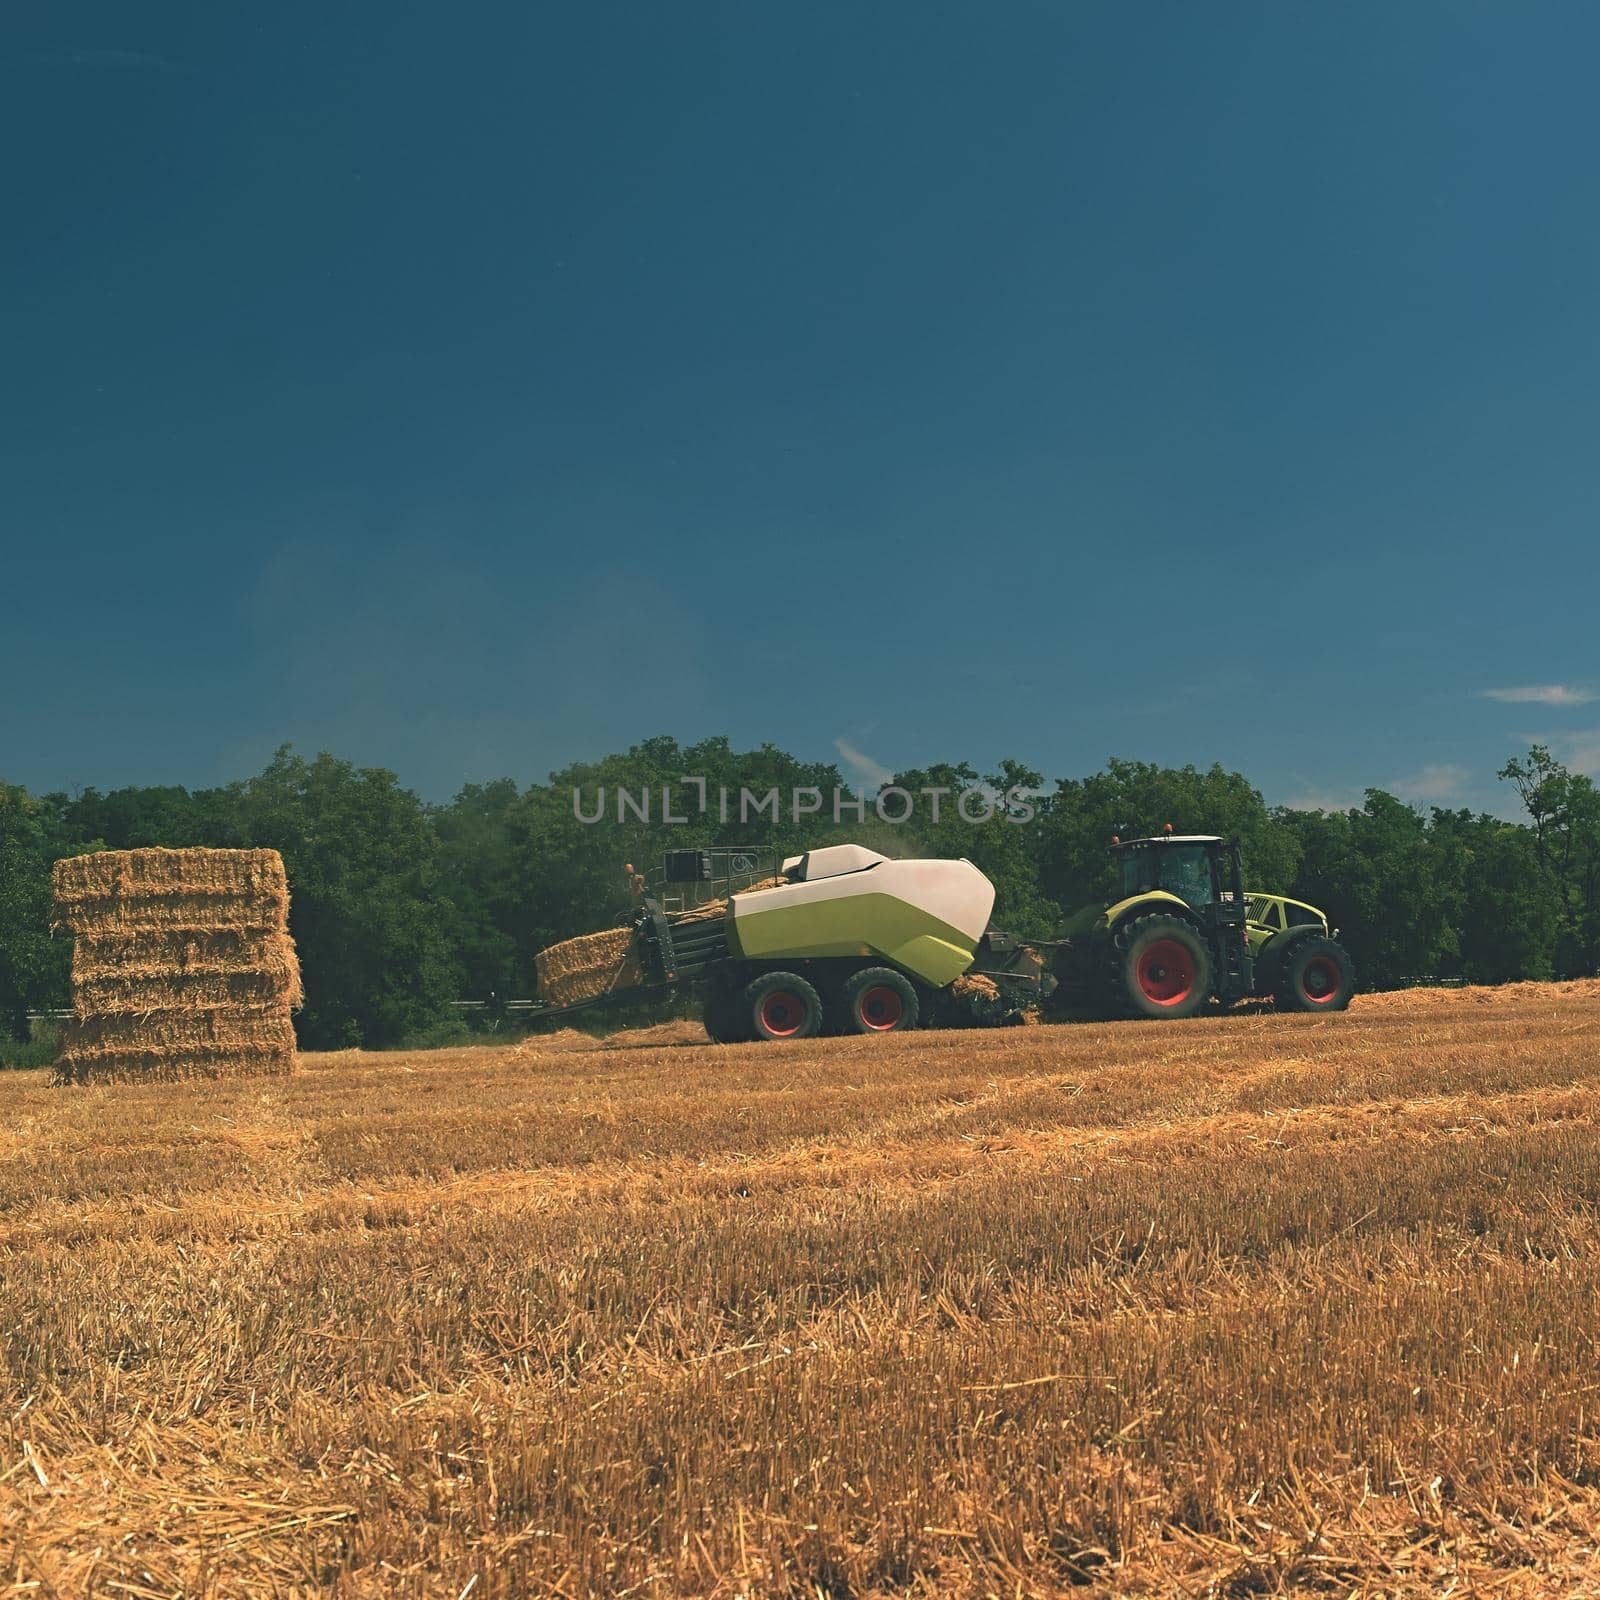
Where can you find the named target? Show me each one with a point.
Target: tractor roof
(1176, 838)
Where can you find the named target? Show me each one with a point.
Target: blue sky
(468, 390)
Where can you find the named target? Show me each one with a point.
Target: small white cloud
(864, 771)
(1437, 782)
(1543, 694)
(1581, 752)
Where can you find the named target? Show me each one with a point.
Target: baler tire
(1314, 975)
(1161, 967)
(878, 1000)
(781, 1005)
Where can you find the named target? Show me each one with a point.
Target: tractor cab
(1199, 868)
(1205, 873)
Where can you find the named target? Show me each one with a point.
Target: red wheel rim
(880, 1008)
(1319, 982)
(1166, 972)
(782, 1013)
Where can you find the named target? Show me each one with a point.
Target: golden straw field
(1248, 1305)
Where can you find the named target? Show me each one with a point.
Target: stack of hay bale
(182, 965)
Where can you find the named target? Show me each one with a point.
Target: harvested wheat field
(1247, 1305)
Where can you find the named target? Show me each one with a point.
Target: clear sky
(471, 389)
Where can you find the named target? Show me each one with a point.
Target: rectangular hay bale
(147, 969)
(132, 873)
(113, 890)
(155, 1064)
(586, 967)
(140, 995)
(177, 1026)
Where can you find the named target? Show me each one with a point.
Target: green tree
(1510, 924)
(33, 963)
(1376, 874)
(366, 910)
(1564, 809)
(1134, 799)
(486, 884)
(160, 815)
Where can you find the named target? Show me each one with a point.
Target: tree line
(400, 906)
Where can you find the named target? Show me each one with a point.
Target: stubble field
(1247, 1305)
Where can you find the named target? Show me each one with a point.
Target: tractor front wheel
(1315, 975)
(1161, 967)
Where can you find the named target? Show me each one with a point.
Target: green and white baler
(848, 941)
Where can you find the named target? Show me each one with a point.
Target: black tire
(1315, 975)
(725, 1017)
(1160, 967)
(781, 1005)
(878, 1000)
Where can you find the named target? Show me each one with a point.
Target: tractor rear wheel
(1161, 967)
(878, 1000)
(782, 1005)
(1315, 975)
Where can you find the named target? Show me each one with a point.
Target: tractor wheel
(878, 1000)
(724, 1017)
(781, 1005)
(1315, 975)
(1161, 967)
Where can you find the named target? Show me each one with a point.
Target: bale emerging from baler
(586, 967)
(599, 963)
(182, 965)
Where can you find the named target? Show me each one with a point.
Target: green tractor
(1183, 933)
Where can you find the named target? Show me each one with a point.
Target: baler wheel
(782, 1005)
(878, 1000)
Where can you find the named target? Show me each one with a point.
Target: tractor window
(1183, 870)
(1138, 873)
(1186, 872)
